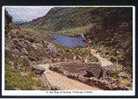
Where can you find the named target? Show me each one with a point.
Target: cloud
(27, 13)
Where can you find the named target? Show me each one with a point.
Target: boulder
(38, 69)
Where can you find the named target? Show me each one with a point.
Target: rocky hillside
(22, 51)
(109, 30)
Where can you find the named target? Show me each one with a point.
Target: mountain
(59, 18)
(65, 18)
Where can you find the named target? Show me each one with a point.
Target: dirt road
(103, 61)
(60, 81)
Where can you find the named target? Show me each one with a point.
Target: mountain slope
(62, 18)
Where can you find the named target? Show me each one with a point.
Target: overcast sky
(27, 13)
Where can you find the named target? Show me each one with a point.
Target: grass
(75, 31)
(108, 52)
(33, 31)
(23, 78)
(81, 53)
(126, 82)
(32, 34)
(20, 79)
(65, 31)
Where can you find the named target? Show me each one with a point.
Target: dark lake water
(69, 41)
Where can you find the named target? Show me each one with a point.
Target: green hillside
(63, 18)
(68, 18)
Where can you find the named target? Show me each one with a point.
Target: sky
(27, 13)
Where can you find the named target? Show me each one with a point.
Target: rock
(74, 57)
(123, 75)
(97, 71)
(82, 79)
(91, 74)
(11, 63)
(38, 69)
(25, 51)
(16, 51)
(107, 85)
(37, 45)
(24, 74)
(94, 71)
(51, 47)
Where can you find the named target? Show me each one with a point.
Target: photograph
(68, 50)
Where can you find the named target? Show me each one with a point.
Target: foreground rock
(91, 74)
(38, 69)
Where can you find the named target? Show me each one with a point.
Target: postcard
(68, 50)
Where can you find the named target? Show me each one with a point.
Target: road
(62, 82)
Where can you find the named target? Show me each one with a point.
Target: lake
(69, 41)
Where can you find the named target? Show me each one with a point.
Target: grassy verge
(20, 79)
